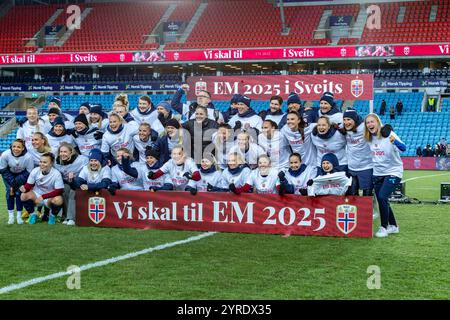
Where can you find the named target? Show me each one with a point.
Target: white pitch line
(16, 286)
(432, 175)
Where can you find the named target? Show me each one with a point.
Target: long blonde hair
(367, 134)
(46, 146)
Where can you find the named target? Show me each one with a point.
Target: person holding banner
(329, 139)
(16, 165)
(294, 180)
(331, 179)
(359, 156)
(44, 186)
(181, 169)
(263, 180)
(385, 146)
(96, 175)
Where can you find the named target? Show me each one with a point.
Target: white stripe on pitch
(97, 264)
(429, 176)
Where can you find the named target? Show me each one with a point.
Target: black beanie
(54, 110)
(150, 152)
(81, 118)
(173, 123)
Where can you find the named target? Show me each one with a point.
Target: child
(44, 186)
(96, 175)
(264, 179)
(181, 169)
(294, 180)
(15, 167)
(330, 179)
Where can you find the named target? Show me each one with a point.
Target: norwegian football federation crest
(97, 209)
(406, 51)
(200, 86)
(343, 52)
(357, 87)
(346, 218)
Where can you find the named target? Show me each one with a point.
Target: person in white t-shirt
(385, 147)
(44, 186)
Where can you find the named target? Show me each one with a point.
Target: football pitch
(157, 264)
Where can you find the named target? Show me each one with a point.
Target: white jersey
(275, 118)
(337, 118)
(305, 148)
(336, 184)
(211, 178)
(95, 176)
(252, 154)
(87, 142)
(238, 179)
(125, 181)
(358, 150)
(140, 146)
(27, 130)
(16, 164)
(75, 167)
(300, 182)
(264, 185)
(114, 141)
(335, 144)
(386, 157)
(101, 125)
(143, 171)
(44, 184)
(55, 142)
(151, 119)
(176, 173)
(276, 148)
(221, 150)
(36, 155)
(254, 121)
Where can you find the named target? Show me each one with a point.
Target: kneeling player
(44, 186)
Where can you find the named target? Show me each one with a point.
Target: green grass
(414, 264)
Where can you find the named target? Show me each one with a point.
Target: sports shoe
(19, 219)
(51, 219)
(381, 233)
(11, 219)
(70, 223)
(65, 221)
(392, 229)
(33, 218)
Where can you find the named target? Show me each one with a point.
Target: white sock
(19, 214)
(11, 213)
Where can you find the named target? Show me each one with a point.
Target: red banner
(262, 87)
(225, 212)
(299, 53)
(419, 163)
